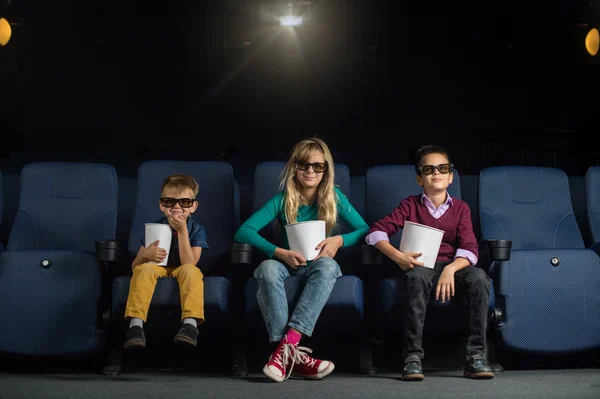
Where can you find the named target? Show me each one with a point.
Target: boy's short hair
(426, 150)
(180, 183)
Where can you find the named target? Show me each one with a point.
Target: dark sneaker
(412, 371)
(280, 363)
(478, 369)
(135, 338)
(187, 335)
(308, 367)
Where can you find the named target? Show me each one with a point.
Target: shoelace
(303, 358)
(283, 356)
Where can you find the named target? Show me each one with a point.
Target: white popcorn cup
(303, 237)
(161, 232)
(424, 239)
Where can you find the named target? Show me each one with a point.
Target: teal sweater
(248, 231)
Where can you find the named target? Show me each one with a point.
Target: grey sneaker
(135, 338)
(187, 335)
(412, 371)
(478, 369)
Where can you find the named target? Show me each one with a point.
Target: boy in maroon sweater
(455, 263)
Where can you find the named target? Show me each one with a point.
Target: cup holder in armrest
(109, 250)
(499, 250)
(241, 253)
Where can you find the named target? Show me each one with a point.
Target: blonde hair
(326, 196)
(180, 183)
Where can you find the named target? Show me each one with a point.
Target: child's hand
(445, 286)
(329, 246)
(292, 258)
(407, 260)
(154, 253)
(178, 222)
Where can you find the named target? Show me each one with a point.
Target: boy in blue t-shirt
(189, 238)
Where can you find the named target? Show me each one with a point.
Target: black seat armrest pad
(241, 253)
(110, 251)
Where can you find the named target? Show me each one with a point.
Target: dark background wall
(498, 83)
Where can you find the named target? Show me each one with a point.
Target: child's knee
(328, 266)
(418, 274)
(478, 277)
(146, 268)
(268, 270)
(190, 270)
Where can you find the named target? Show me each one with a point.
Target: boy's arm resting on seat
(466, 255)
(445, 290)
(467, 247)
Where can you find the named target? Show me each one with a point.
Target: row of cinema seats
(64, 275)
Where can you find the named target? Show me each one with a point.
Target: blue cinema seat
(549, 289)
(50, 281)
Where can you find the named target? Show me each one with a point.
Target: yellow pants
(143, 282)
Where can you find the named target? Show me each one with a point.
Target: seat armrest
(109, 251)
(109, 255)
(498, 250)
(492, 253)
(241, 253)
(369, 255)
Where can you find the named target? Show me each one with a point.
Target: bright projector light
(290, 21)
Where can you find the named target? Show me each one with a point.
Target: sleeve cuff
(376, 236)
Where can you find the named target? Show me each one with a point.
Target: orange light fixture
(5, 31)
(592, 41)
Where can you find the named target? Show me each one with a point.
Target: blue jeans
(272, 301)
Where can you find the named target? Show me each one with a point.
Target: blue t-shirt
(197, 239)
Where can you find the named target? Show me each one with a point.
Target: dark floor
(160, 370)
(446, 383)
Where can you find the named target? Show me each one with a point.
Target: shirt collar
(425, 200)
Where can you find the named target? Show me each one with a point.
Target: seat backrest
(11, 180)
(592, 194)
(1, 210)
(1, 196)
(358, 194)
(529, 205)
(65, 206)
(580, 207)
(127, 192)
(216, 205)
(387, 185)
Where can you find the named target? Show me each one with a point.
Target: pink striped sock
(293, 336)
